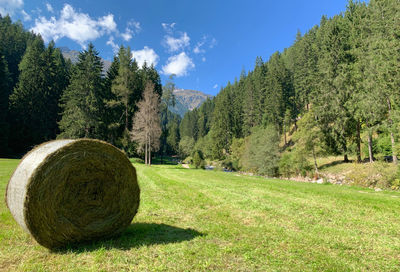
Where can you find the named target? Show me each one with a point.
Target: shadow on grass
(326, 165)
(137, 235)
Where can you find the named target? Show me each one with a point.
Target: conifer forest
(334, 91)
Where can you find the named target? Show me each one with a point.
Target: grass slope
(203, 220)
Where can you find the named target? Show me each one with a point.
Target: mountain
(187, 100)
(73, 56)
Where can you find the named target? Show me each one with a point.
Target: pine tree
(122, 86)
(5, 82)
(82, 101)
(112, 115)
(34, 101)
(331, 99)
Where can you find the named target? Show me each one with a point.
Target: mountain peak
(187, 100)
(73, 55)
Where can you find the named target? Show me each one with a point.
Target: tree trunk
(346, 157)
(126, 118)
(284, 131)
(315, 160)
(149, 152)
(145, 153)
(371, 156)
(358, 140)
(394, 155)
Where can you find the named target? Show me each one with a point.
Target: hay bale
(69, 191)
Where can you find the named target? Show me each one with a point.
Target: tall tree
(146, 129)
(122, 85)
(34, 102)
(82, 101)
(5, 82)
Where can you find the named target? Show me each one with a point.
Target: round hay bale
(69, 191)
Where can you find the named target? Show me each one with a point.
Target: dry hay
(69, 191)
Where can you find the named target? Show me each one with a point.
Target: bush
(377, 174)
(261, 152)
(204, 144)
(186, 146)
(293, 163)
(231, 164)
(198, 159)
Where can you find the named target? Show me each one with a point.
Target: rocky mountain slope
(187, 100)
(73, 56)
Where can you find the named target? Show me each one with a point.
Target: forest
(336, 90)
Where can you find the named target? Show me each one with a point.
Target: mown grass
(196, 220)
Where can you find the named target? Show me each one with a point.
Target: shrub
(294, 163)
(186, 146)
(198, 159)
(261, 152)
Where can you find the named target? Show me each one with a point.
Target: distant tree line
(336, 90)
(43, 97)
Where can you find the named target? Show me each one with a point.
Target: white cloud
(168, 27)
(79, 27)
(49, 8)
(213, 43)
(147, 55)
(132, 28)
(111, 43)
(175, 44)
(178, 65)
(10, 6)
(203, 59)
(215, 86)
(197, 49)
(206, 41)
(26, 16)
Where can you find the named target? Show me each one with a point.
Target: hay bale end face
(70, 191)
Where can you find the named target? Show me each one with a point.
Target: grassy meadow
(197, 220)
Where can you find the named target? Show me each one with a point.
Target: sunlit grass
(192, 220)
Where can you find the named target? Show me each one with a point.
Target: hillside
(73, 56)
(187, 100)
(198, 220)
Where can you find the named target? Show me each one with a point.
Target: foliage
(261, 154)
(294, 163)
(198, 159)
(34, 102)
(186, 146)
(82, 101)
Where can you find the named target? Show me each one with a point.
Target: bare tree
(146, 128)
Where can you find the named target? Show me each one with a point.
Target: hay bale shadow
(137, 235)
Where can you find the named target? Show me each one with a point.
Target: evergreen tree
(82, 101)
(34, 101)
(334, 91)
(5, 82)
(113, 111)
(123, 84)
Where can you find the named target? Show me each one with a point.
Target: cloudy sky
(204, 43)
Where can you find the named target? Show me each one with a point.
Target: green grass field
(196, 220)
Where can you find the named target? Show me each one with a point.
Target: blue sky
(205, 43)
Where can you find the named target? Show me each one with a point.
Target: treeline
(43, 96)
(336, 90)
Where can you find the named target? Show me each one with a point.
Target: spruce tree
(5, 83)
(34, 101)
(82, 101)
